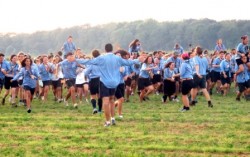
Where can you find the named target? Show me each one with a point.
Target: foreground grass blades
(147, 129)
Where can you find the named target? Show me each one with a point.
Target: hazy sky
(33, 15)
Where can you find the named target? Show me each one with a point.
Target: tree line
(153, 35)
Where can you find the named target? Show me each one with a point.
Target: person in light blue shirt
(220, 46)
(242, 78)
(135, 47)
(226, 73)
(45, 71)
(177, 61)
(242, 49)
(157, 75)
(201, 66)
(186, 76)
(169, 82)
(109, 65)
(30, 76)
(93, 72)
(69, 67)
(69, 46)
(144, 83)
(178, 49)
(3, 65)
(216, 71)
(10, 71)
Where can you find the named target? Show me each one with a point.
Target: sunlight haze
(28, 16)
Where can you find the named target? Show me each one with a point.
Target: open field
(147, 129)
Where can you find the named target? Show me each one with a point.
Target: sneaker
(106, 124)
(9, 99)
(29, 110)
(3, 101)
(60, 100)
(211, 92)
(132, 93)
(162, 99)
(237, 99)
(87, 100)
(184, 109)
(95, 111)
(157, 93)
(14, 105)
(42, 98)
(120, 116)
(147, 98)
(210, 104)
(75, 105)
(176, 100)
(193, 103)
(113, 121)
(66, 102)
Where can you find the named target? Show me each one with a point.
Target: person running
(242, 78)
(93, 73)
(201, 66)
(30, 76)
(56, 78)
(10, 71)
(109, 65)
(45, 71)
(3, 65)
(225, 74)
(69, 67)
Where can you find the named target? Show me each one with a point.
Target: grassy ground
(148, 129)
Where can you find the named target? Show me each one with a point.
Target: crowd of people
(108, 80)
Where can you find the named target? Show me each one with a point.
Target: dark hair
(146, 60)
(69, 54)
(244, 37)
(227, 54)
(199, 50)
(70, 37)
(123, 53)
(133, 43)
(155, 52)
(23, 62)
(59, 53)
(42, 57)
(168, 65)
(108, 47)
(1, 55)
(95, 53)
(223, 52)
(12, 56)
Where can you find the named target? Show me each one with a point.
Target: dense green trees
(153, 35)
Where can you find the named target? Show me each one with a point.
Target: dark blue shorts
(28, 88)
(106, 92)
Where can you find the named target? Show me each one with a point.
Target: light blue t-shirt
(202, 63)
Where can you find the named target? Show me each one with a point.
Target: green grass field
(147, 129)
